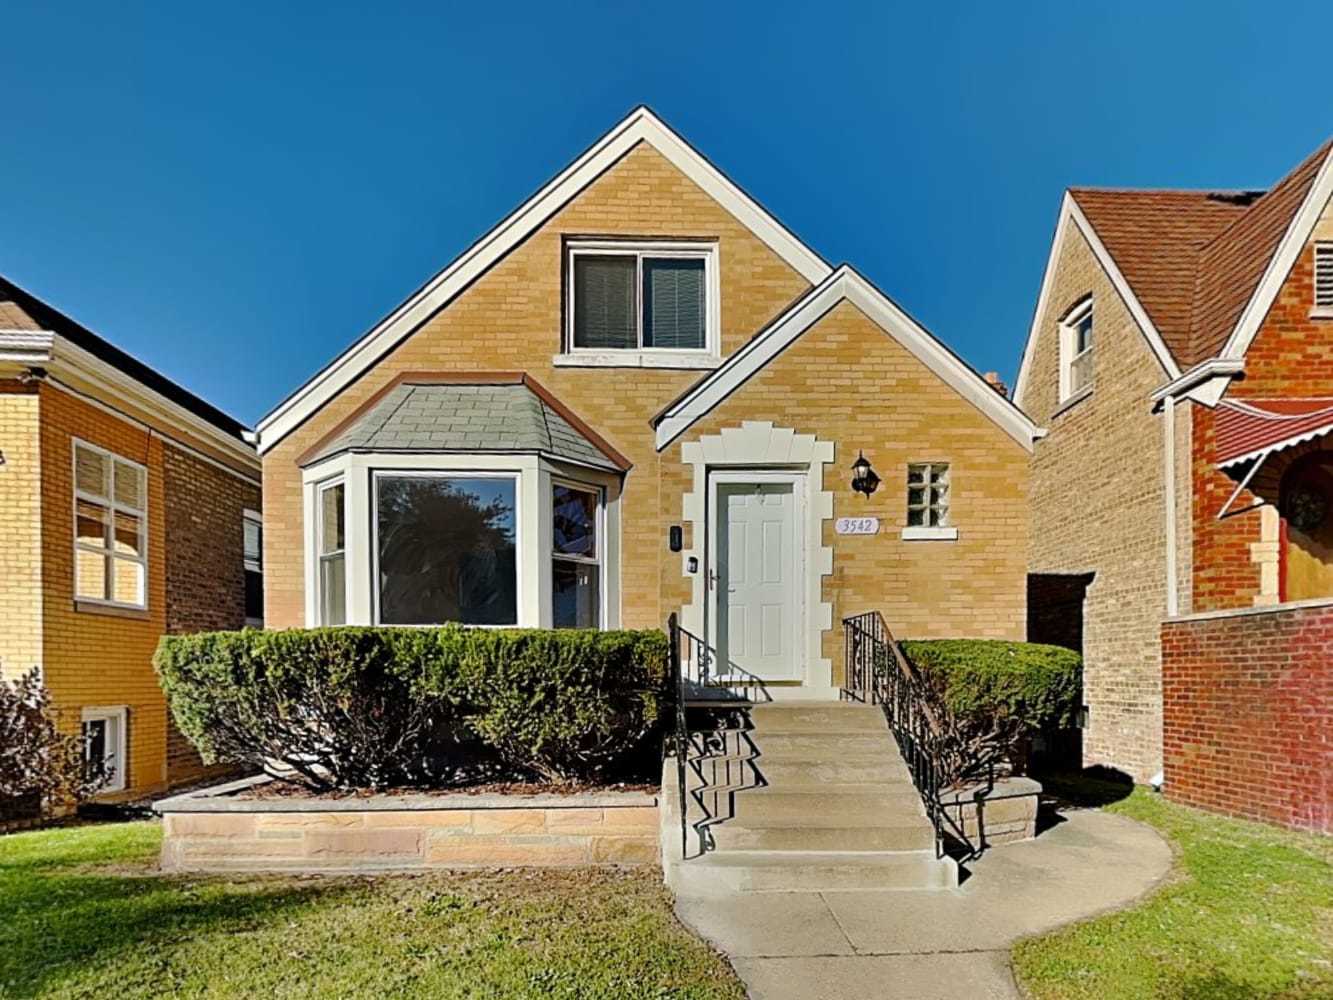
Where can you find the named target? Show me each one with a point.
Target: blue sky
(236, 193)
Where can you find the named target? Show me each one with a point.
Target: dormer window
(651, 304)
(1076, 346)
(1323, 280)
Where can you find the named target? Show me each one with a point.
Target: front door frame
(758, 476)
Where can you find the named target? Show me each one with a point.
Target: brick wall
(1291, 356)
(205, 574)
(20, 531)
(510, 320)
(1249, 714)
(970, 587)
(1098, 508)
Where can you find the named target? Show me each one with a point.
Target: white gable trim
(1071, 214)
(844, 284)
(1293, 243)
(640, 126)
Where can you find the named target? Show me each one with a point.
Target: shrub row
(353, 707)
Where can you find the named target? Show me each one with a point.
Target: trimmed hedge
(1034, 686)
(353, 707)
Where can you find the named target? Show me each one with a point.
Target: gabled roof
(1204, 266)
(641, 125)
(467, 412)
(844, 284)
(491, 417)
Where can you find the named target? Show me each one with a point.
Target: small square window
(928, 495)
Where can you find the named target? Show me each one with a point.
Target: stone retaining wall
(213, 830)
(1005, 813)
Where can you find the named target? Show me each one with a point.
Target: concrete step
(726, 872)
(827, 745)
(788, 772)
(800, 718)
(832, 805)
(734, 835)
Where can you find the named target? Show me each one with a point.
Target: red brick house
(1181, 359)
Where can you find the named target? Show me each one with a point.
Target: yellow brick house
(641, 394)
(129, 507)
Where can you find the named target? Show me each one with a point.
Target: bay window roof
(504, 413)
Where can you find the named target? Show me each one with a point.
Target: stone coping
(1263, 609)
(1005, 788)
(216, 799)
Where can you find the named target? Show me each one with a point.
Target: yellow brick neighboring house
(124, 504)
(640, 394)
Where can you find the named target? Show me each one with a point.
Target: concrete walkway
(940, 945)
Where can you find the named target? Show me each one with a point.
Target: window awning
(1252, 428)
(1249, 431)
(504, 413)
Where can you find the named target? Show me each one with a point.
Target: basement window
(104, 745)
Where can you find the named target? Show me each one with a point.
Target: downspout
(1169, 490)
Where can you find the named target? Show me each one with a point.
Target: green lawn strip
(86, 915)
(1246, 915)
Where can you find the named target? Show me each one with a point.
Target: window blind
(604, 302)
(673, 311)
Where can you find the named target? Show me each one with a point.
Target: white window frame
(116, 717)
(945, 531)
(113, 507)
(1322, 306)
(599, 526)
(710, 356)
(1069, 353)
(252, 565)
(318, 555)
(515, 476)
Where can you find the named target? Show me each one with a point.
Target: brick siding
(20, 531)
(1249, 715)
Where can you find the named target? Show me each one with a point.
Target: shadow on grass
(1091, 788)
(58, 922)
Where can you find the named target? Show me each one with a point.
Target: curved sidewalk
(933, 945)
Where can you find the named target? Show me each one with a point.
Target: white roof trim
(1293, 242)
(640, 126)
(844, 284)
(1071, 213)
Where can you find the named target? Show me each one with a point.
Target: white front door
(755, 572)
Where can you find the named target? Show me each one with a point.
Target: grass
(1246, 915)
(85, 914)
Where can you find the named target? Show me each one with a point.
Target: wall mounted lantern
(864, 479)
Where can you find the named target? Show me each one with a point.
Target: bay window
(575, 557)
(330, 532)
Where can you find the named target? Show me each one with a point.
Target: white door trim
(748, 477)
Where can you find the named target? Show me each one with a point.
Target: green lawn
(82, 913)
(1247, 915)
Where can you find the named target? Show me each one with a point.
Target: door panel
(756, 578)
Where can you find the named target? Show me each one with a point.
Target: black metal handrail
(877, 673)
(682, 735)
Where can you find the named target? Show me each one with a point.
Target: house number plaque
(856, 525)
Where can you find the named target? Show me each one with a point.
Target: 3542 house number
(856, 525)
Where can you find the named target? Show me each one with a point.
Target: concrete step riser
(729, 837)
(915, 871)
(827, 722)
(790, 773)
(833, 745)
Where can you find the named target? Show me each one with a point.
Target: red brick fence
(1248, 713)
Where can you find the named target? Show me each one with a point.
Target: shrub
(356, 707)
(40, 766)
(996, 694)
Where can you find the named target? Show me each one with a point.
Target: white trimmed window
(1076, 351)
(1323, 279)
(331, 542)
(110, 528)
(928, 503)
(252, 528)
(576, 556)
(104, 745)
(641, 303)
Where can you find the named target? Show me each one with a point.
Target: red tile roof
(1194, 258)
